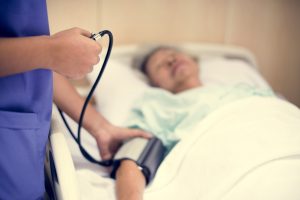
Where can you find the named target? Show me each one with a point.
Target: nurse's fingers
(83, 32)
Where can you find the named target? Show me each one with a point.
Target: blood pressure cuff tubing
(148, 154)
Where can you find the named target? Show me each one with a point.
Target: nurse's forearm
(130, 182)
(71, 53)
(23, 54)
(68, 100)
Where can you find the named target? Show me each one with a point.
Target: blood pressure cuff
(146, 153)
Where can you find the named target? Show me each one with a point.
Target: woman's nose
(171, 60)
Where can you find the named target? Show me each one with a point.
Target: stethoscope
(77, 139)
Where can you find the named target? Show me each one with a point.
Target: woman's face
(171, 69)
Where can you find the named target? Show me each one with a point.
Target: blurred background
(268, 28)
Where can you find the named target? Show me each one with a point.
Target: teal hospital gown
(168, 116)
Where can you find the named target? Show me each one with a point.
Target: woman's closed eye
(167, 61)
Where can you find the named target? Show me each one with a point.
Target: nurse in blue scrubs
(32, 66)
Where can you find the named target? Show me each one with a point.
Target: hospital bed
(70, 176)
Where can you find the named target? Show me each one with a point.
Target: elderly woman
(182, 101)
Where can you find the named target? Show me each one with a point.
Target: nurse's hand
(110, 139)
(72, 53)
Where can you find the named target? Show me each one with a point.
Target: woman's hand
(110, 138)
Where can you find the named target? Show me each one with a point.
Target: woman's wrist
(130, 181)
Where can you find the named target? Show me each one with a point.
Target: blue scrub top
(25, 107)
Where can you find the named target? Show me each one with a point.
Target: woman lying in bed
(176, 103)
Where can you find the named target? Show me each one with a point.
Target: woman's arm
(130, 181)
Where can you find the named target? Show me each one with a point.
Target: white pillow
(223, 71)
(121, 84)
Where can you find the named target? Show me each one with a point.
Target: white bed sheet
(257, 158)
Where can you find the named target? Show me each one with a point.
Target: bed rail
(61, 181)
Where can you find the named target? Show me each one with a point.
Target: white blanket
(248, 149)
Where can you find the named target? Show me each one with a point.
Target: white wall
(64, 14)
